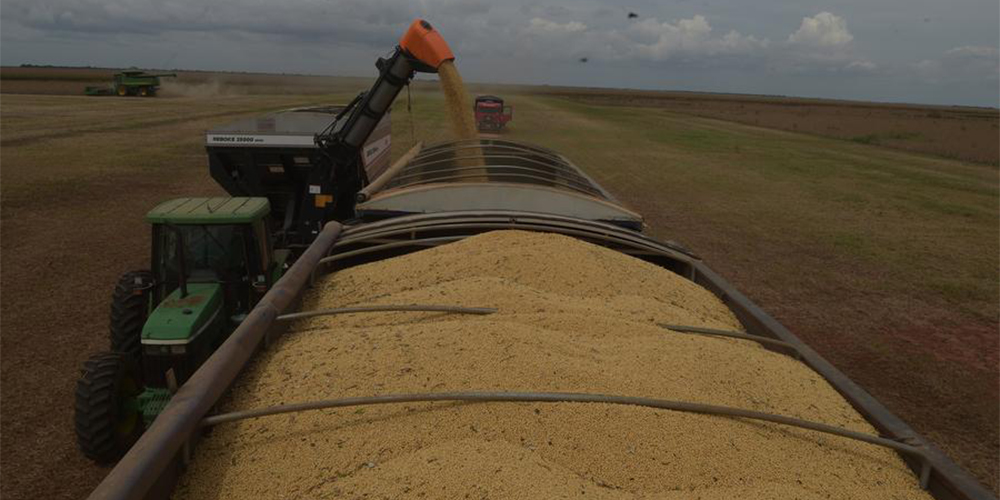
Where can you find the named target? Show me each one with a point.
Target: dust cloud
(209, 88)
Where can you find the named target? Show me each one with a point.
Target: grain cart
(276, 155)
(131, 83)
(213, 258)
(491, 113)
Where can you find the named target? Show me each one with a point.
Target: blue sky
(885, 50)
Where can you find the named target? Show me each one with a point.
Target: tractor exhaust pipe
(182, 264)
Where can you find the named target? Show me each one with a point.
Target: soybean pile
(572, 317)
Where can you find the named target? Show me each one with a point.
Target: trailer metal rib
(569, 397)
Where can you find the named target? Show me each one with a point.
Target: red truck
(491, 114)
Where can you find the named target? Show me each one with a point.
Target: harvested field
(74, 187)
(884, 261)
(961, 132)
(200, 84)
(573, 317)
(958, 132)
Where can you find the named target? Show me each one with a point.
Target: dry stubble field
(885, 261)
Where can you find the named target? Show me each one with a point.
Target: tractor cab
(222, 241)
(212, 261)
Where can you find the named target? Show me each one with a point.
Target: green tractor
(131, 83)
(212, 260)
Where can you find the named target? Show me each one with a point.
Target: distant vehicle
(131, 83)
(491, 114)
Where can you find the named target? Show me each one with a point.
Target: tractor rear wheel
(144, 91)
(108, 420)
(122, 90)
(129, 307)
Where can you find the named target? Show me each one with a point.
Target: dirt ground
(64, 81)
(73, 190)
(884, 261)
(964, 133)
(958, 132)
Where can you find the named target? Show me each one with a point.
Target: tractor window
(212, 252)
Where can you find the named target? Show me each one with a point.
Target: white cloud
(822, 30)
(975, 51)
(658, 41)
(961, 63)
(542, 26)
(861, 66)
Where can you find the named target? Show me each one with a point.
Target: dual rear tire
(129, 308)
(107, 418)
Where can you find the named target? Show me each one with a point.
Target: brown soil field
(959, 132)
(76, 177)
(72, 81)
(885, 261)
(964, 133)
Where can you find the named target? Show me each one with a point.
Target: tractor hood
(179, 320)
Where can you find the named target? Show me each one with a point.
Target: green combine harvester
(131, 83)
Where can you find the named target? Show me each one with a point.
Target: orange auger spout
(424, 44)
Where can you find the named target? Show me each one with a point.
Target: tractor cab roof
(488, 98)
(222, 210)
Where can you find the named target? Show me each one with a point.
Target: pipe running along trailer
(434, 196)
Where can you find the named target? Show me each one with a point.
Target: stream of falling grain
(459, 110)
(457, 102)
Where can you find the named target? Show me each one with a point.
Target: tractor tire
(107, 419)
(122, 91)
(144, 91)
(129, 307)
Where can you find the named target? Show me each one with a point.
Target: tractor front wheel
(144, 91)
(129, 307)
(122, 90)
(108, 420)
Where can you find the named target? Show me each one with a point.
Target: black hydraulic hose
(388, 308)
(736, 335)
(388, 246)
(570, 397)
